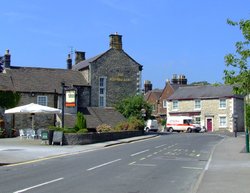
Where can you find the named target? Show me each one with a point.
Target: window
(197, 104)
(197, 120)
(223, 103)
(223, 121)
(42, 100)
(164, 104)
(102, 91)
(175, 105)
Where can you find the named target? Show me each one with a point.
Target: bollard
(247, 141)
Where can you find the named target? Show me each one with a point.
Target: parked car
(151, 125)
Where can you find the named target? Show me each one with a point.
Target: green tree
(132, 107)
(238, 72)
(9, 99)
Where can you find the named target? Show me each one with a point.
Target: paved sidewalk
(16, 150)
(229, 169)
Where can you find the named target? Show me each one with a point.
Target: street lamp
(63, 93)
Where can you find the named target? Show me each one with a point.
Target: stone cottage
(100, 81)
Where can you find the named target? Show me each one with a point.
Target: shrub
(103, 128)
(80, 122)
(82, 131)
(122, 126)
(132, 124)
(135, 124)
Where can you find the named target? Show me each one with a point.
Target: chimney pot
(7, 59)
(69, 62)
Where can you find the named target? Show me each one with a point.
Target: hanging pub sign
(70, 98)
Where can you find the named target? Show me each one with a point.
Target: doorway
(209, 124)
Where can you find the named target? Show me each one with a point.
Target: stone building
(100, 81)
(113, 75)
(215, 107)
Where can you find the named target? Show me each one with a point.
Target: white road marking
(193, 168)
(103, 164)
(38, 185)
(160, 146)
(198, 155)
(148, 165)
(143, 158)
(139, 153)
(132, 163)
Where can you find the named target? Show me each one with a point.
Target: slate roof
(86, 63)
(27, 79)
(155, 92)
(203, 92)
(96, 116)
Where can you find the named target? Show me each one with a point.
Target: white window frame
(223, 104)
(175, 105)
(40, 98)
(224, 123)
(195, 118)
(164, 104)
(102, 95)
(197, 104)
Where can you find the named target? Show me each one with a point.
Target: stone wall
(81, 139)
(121, 73)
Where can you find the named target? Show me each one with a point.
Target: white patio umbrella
(32, 109)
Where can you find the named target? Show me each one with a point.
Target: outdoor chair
(31, 133)
(22, 133)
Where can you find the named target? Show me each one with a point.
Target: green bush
(135, 124)
(82, 131)
(132, 124)
(122, 126)
(80, 122)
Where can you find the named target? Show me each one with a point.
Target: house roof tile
(27, 79)
(203, 92)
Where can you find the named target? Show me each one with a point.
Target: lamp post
(63, 93)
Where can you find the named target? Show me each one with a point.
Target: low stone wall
(88, 138)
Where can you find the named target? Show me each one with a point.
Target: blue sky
(167, 37)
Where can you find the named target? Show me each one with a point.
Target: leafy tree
(132, 107)
(238, 73)
(9, 99)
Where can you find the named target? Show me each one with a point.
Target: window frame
(102, 91)
(224, 104)
(175, 105)
(197, 106)
(224, 123)
(44, 103)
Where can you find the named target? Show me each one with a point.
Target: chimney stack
(79, 56)
(181, 79)
(69, 62)
(174, 79)
(7, 60)
(115, 41)
(147, 86)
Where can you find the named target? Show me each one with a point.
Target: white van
(151, 125)
(181, 123)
